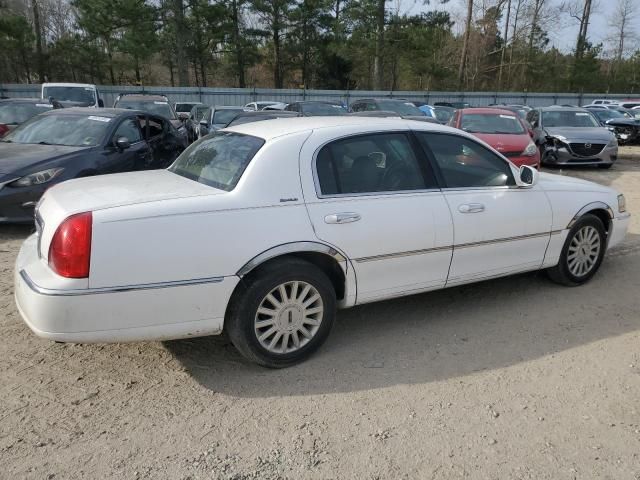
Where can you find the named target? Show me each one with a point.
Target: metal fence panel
(242, 96)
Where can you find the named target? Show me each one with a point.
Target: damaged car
(623, 124)
(572, 136)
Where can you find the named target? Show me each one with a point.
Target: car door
(498, 227)
(375, 198)
(164, 141)
(136, 157)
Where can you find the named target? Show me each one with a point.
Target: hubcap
(288, 317)
(583, 251)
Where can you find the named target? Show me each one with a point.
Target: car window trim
(440, 176)
(420, 158)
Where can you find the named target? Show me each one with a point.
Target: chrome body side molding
(294, 247)
(458, 246)
(117, 289)
(592, 206)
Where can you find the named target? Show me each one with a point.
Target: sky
(562, 35)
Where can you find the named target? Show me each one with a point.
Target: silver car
(572, 136)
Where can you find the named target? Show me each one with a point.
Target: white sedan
(266, 228)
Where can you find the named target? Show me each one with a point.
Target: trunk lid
(109, 191)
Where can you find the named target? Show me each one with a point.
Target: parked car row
(147, 131)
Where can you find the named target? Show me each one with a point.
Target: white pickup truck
(80, 94)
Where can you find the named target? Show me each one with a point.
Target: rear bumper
(125, 314)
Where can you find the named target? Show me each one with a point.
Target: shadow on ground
(436, 336)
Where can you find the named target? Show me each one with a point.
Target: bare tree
(465, 43)
(504, 44)
(378, 61)
(622, 21)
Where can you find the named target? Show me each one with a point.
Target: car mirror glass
(528, 176)
(122, 143)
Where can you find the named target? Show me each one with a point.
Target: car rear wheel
(582, 252)
(283, 314)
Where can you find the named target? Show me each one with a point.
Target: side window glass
(369, 164)
(155, 127)
(465, 163)
(128, 129)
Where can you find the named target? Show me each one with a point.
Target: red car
(503, 130)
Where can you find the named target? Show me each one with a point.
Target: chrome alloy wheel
(583, 251)
(288, 317)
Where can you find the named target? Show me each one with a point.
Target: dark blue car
(77, 142)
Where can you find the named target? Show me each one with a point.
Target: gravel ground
(515, 378)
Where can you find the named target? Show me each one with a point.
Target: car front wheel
(582, 252)
(283, 314)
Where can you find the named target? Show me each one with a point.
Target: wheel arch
(332, 262)
(600, 209)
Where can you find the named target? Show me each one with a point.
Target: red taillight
(70, 249)
(3, 129)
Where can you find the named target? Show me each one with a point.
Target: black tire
(605, 166)
(242, 312)
(561, 273)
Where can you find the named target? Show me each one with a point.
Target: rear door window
(370, 164)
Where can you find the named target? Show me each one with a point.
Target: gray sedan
(572, 136)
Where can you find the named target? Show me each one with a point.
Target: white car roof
(83, 85)
(286, 126)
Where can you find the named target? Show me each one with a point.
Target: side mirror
(183, 116)
(122, 143)
(528, 176)
(204, 123)
(100, 103)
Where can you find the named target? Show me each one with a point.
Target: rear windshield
(219, 160)
(443, 114)
(83, 95)
(322, 109)
(402, 108)
(16, 113)
(156, 107)
(491, 123)
(184, 107)
(222, 117)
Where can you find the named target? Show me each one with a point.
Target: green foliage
(333, 44)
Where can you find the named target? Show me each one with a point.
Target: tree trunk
(110, 56)
(513, 41)
(277, 60)
(582, 33)
(38, 32)
(504, 47)
(137, 68)
(378, 61)
(465, 44)
(238, 50)
(181, 50)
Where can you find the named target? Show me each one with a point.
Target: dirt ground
(515, 378)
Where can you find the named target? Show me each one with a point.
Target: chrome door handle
(347, 217)
(471, 208)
